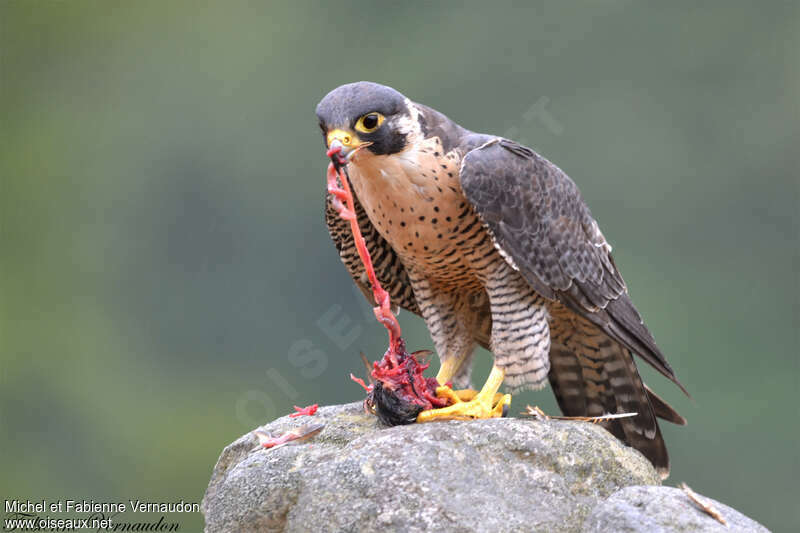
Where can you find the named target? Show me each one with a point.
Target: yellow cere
(344, 137)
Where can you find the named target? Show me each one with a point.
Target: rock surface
(663, 509)
(487, 475)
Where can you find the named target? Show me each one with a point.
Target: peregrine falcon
(493, 245)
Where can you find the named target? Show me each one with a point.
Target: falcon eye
(369, 122)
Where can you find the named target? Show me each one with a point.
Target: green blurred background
(168, 282)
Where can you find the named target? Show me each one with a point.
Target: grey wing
(542, 227)
(390, 271)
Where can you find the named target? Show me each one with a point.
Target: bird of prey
(492, 245)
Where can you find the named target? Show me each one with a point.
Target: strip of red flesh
(398, 370)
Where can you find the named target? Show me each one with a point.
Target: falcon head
(366, 115)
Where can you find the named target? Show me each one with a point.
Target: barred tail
(592, 374)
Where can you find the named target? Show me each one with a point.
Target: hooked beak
(348, 142)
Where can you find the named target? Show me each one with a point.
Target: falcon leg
(520, 329)
(486, 404)
(451, 318)
(451, 366)
(449, 372)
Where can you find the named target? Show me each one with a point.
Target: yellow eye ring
(370, 122)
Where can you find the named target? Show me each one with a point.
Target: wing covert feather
(543, 228)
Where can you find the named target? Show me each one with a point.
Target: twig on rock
(704, 506)
(537, 413)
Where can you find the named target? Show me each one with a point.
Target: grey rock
(356, 475)
(662, 510)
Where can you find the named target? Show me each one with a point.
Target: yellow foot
(467, 405)
(462, 395)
